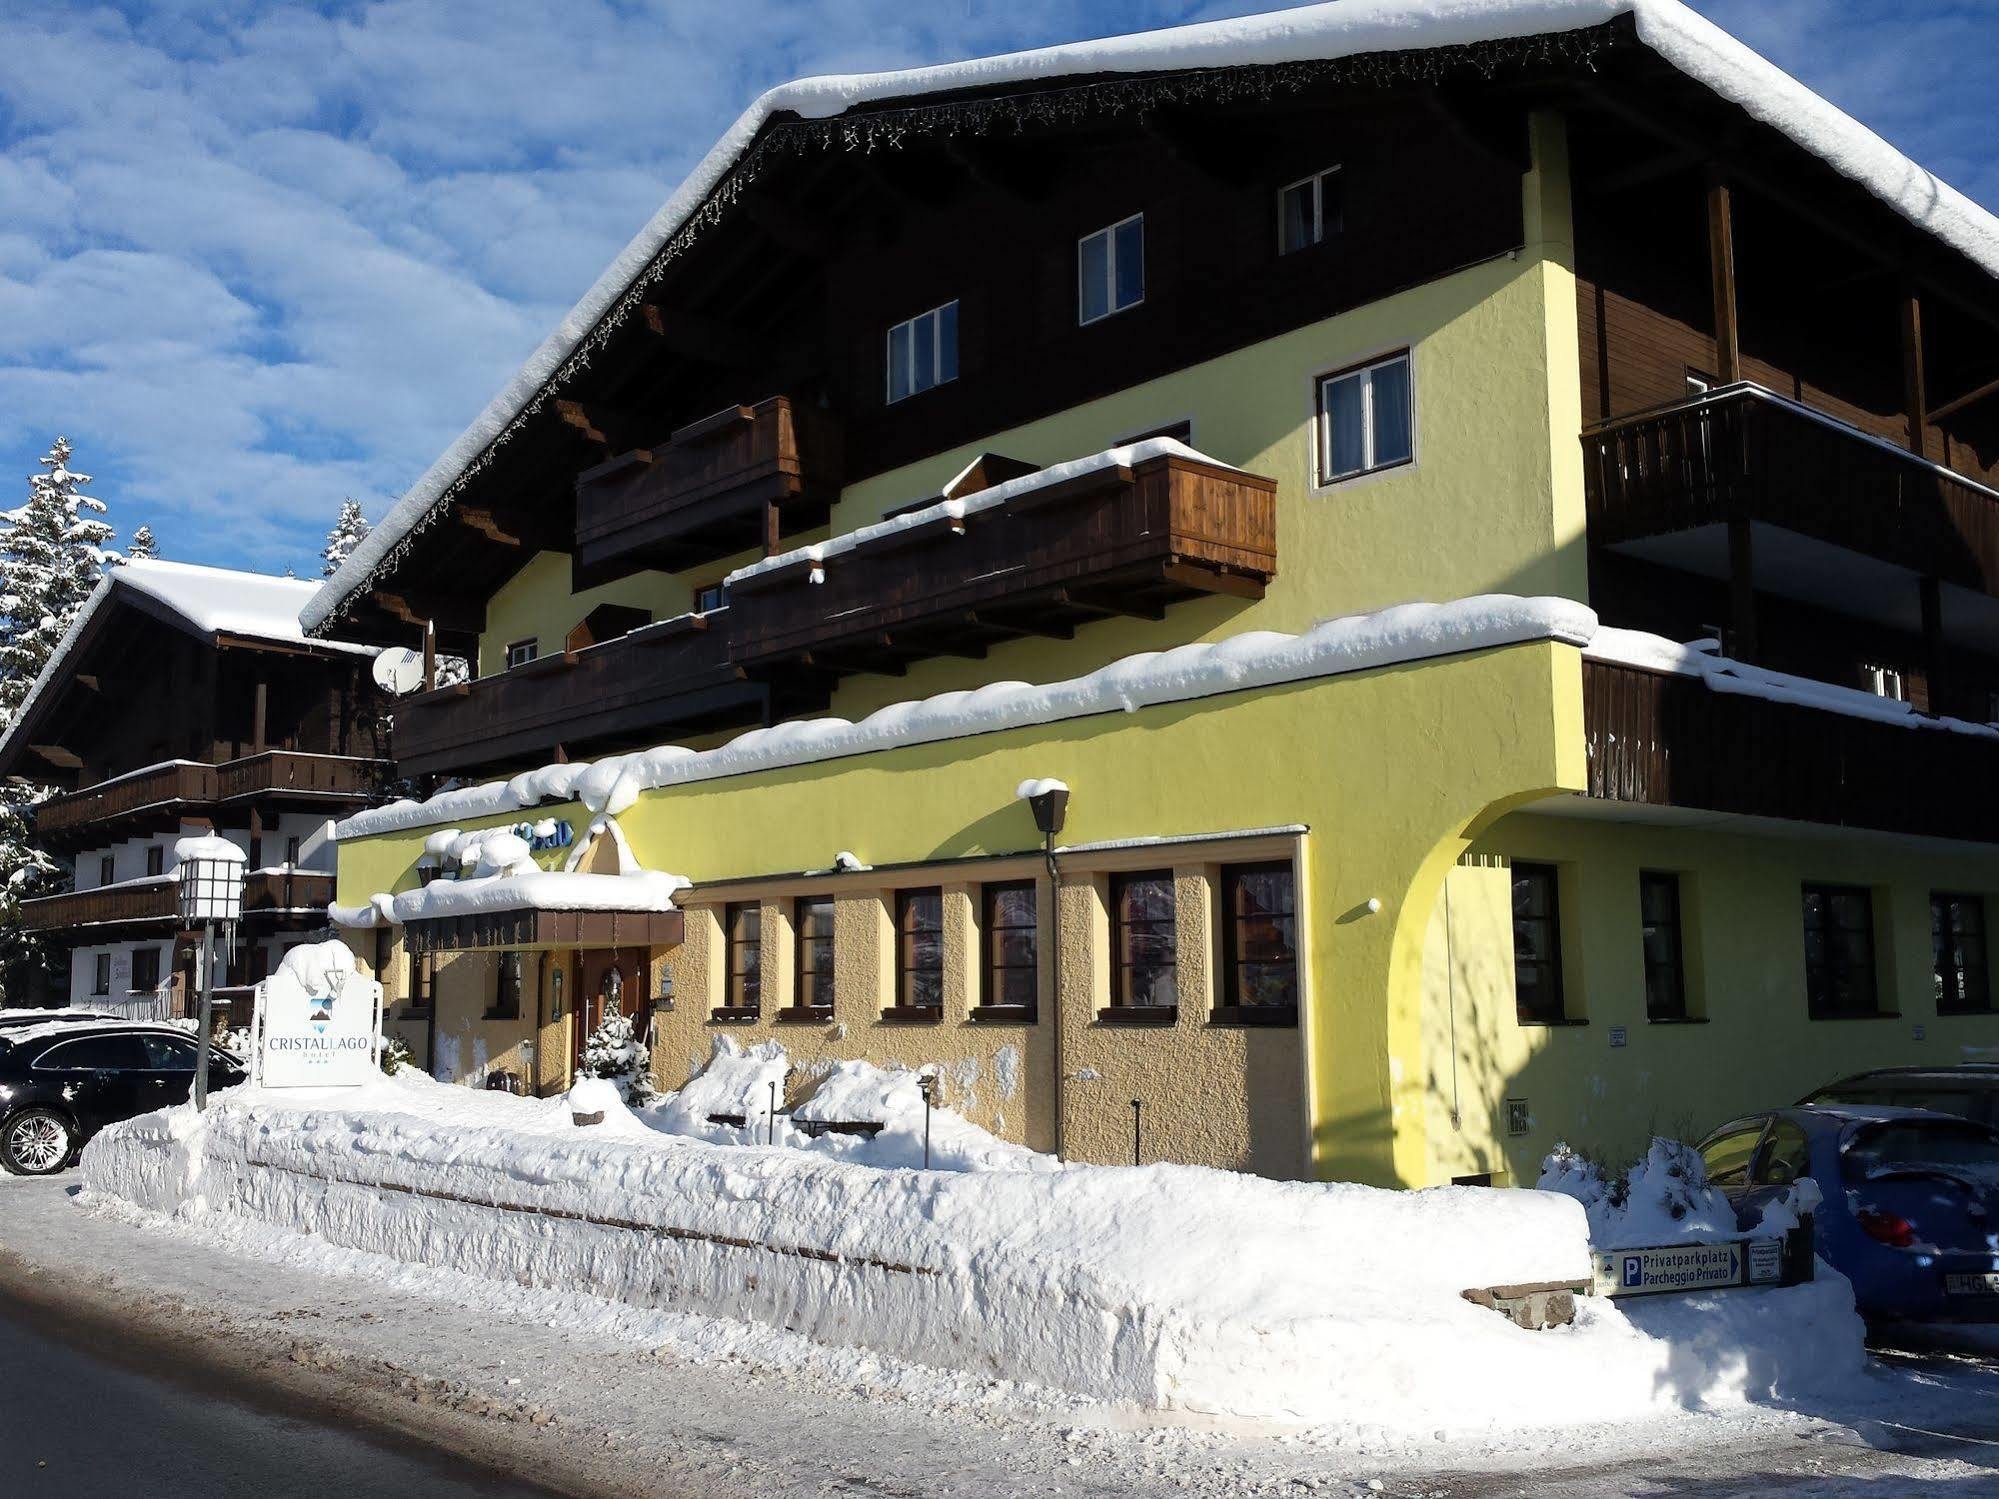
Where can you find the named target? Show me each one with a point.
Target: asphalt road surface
(80, 1419)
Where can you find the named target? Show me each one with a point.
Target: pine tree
(350, 529)
(52, 555)
(143, 547)
(614, 1051)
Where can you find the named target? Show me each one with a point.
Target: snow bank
(1255, 658)
(1161, 1286)
(735, 1083)
(1665, 1198)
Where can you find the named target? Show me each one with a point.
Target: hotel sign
(316, 1027)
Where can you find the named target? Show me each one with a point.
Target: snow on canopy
(210, 600)
(1346, 28)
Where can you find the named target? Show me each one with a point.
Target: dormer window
(1308, 211)
(923, 352)
(1110, 269)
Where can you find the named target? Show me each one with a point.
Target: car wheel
(36, 1142)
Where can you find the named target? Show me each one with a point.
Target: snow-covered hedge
(1162, 1286)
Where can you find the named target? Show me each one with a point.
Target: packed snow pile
(1665, 1198)
(738, 1083)
(860, 1092)
(1160, 1286)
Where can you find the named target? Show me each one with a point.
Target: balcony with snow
(1008, 551)
(739, 479)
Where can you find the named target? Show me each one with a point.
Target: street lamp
(210, 871)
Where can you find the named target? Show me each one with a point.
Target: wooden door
(611, 977)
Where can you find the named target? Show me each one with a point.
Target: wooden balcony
(162, 791)
(1685, 471)
(135, 903)
(1663, 740)
(1115, 541)
(639, 689)
(159, 796)
(292, 775)
(271, 897)
(731, 482)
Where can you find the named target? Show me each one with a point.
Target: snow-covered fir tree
(143, 546)
(53, 551)
(614, 1051)
(52, 555)
(350, 529)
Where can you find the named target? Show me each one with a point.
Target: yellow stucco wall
(1744, 956)
(1373, 763)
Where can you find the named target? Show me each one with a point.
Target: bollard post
(928, 1086)
(1136, 1156)
(770, 1120)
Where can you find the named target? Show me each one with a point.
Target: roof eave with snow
(1687, 41)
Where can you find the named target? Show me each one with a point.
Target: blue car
(1910, 1210)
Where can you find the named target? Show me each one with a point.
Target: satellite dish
(399, 670)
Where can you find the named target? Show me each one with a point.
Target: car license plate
(1971, 1285)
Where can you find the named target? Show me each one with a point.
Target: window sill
(1676, 1020)
(1862, 1015)
(1556, 1024)
(1984, 1010)
(1255, 1016)
(803, 1015)
(1139, 1015)
(725, 1015)
(913, 1014)
(496, 1015)
(1003, 1014)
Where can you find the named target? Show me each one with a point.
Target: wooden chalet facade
(1233, 347)
(186, 700)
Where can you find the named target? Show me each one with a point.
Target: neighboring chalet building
(184, 699)
(1673, 388)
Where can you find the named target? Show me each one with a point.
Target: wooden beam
(573, 414)
(1929, 598)
(1915, 391)
(87, 682)
(55, 754)
(1666, 163)
(1956, 404)
(693, 335)
(463, 616)
(483, 522)
(1721, 266)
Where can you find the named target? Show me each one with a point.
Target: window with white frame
(1308, 211)
(923, 352)
(1110, 269)
(1366, 421)
(520, 652)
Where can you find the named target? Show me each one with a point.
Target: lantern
(211, 880)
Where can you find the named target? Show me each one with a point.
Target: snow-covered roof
(1255, 658)
(1344, 28)
(208, 600)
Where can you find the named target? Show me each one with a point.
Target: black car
(61, 1083)
(1969, 1090)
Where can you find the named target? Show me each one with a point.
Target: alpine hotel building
(1093, 417)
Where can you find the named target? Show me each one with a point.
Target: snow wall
(1163, 1286)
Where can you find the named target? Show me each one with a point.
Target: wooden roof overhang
(514, 931)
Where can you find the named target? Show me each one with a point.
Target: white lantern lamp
(210, 871)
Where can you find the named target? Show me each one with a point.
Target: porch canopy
(519, 906)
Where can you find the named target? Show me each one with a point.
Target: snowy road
(590, 1399)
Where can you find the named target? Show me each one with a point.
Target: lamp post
(210, 871)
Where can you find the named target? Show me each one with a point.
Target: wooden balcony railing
(165, 789)
(1666, 740)
(110, 905)
(293, 773)
(1743, 452)
(1113, 541)
(1043, 560)
(286, 892)
(277, 895)
(731, 482)
(634, 690)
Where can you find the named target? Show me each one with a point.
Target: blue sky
(255, 257)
